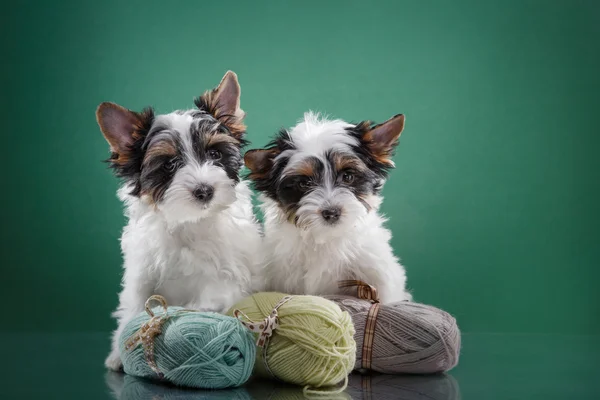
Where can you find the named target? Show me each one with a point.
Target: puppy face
(325, 175)
(186, 163)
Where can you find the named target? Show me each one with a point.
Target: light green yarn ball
(195, 349)
(314, 344)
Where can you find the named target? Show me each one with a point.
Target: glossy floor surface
(492, 366)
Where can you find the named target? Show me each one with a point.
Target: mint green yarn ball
(195, 349)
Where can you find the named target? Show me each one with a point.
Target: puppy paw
(113, 362)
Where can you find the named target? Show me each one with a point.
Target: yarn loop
(265, 327)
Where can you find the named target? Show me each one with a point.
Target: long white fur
(199, 257)
(312, 256)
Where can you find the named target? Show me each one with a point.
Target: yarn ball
(409, 337)
(194, 349)
(314, 344)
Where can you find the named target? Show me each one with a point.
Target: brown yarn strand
(366, 292)
(369, 336)
(408, 337)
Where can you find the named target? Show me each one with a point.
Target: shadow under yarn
(360, 387)
(275, 390)
(127, 387)
(406, 387)
(368, 387)
(409, 337)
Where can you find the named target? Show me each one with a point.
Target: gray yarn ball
(409, 337)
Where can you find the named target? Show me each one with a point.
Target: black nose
(204, 193)
(331, 214)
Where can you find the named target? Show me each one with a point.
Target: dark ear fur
(122, 128)
(223, 103)
(125, 131)
(259, 162)
(383, 138)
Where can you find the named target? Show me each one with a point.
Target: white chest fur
(208, 264)
(297, 264)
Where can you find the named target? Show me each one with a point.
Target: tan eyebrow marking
(306, 168)
(162, 148)
(343, 161)
(217, 138)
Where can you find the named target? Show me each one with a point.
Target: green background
(494, 202)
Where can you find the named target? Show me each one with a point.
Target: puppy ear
(383, 138)
(259, 162)
(227, 96)
(122, 128)
(223, 103)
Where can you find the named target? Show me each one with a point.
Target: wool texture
(195, 349)
(313, 346)
(409, 337)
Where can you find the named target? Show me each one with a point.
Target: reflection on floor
(67, 366)
(363, 387)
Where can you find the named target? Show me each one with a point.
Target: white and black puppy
(320, 185)
(191, 234)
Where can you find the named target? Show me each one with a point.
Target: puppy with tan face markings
(320, 185)
(191, 234)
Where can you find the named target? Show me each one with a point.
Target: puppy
(320, 185)
(191, 234)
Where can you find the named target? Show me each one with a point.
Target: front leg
(387, 275)
(132, 299)
(391, 285)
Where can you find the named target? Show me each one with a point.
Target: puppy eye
(214, 154)
(303, 184)
(348, 177)
(171, 165)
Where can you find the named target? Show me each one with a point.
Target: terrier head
(186, 163)
(323, 174)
